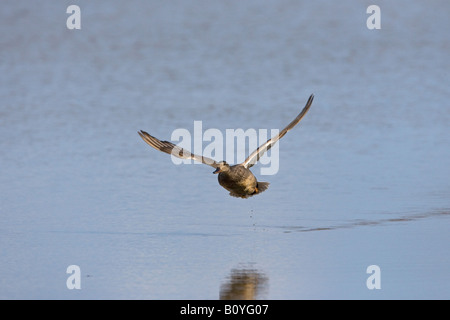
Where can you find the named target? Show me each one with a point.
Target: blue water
(363, 180)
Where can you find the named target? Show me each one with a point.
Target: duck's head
(222, 166)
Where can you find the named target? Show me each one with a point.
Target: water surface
(363, 180)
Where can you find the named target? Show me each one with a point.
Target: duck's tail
(261, 186)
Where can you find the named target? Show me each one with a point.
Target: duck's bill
(216, 171)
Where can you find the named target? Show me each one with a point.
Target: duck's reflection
(244, 283)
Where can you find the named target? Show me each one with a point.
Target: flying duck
(237, 179)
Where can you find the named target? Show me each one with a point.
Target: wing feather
(170, 148)
(258, 153)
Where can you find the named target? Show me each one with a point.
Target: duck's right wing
(170, 148)
(257, 154)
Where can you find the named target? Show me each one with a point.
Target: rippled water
(363, 180)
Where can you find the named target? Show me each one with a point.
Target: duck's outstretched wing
(170, 148)
(254, 157)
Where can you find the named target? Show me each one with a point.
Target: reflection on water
(359, 223)
(244, 284)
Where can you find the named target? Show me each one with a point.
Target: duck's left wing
(257, 154)
(170, 148)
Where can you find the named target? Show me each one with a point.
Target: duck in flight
(237, 179)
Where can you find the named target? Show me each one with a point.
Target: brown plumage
(237, 179)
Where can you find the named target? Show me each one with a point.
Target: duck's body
(240, 181)
(237, 179)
